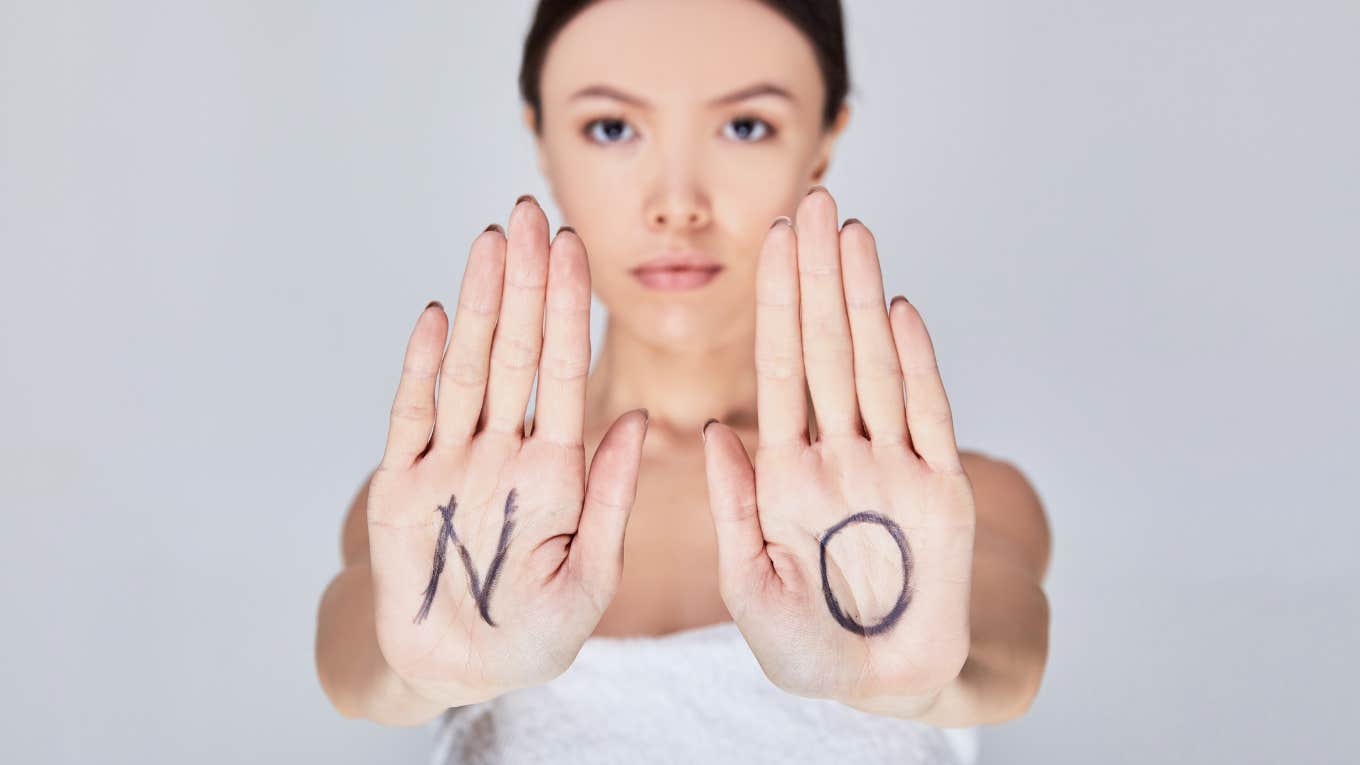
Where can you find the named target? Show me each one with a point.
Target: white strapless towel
(694, 696)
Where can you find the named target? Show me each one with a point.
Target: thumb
(742, 561)
(597, 550)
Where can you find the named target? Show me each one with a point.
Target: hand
(845, 561)
(493, 557)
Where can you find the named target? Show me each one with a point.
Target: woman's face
(680, 127)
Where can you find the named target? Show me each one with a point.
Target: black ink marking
(888, 621)
(440, 545)
(481, 593)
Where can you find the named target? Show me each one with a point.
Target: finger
(781, 388)
(412, 415)
(559, 409)
(519, 333)
(878, 375)
(596, 554)
(827, 352)
(929, 419)
(743, 564)
(462, 381)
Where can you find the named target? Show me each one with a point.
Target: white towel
(697, 695)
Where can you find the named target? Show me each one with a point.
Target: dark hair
(820, 20)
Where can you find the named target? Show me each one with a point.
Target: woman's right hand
(493, 556)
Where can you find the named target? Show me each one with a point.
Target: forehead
(681, 53)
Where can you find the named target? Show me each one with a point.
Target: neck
(680, 387)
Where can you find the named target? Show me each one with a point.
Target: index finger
(781, 388)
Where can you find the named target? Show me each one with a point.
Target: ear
(829, 142)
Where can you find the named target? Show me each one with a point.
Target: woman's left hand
(846, 562)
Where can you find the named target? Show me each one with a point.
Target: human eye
(611, 128)
(746, 126)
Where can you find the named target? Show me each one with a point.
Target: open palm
(845, 560)
(493, 557)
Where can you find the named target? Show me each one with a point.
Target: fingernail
(894, 301)
(781, 219)
(433, 303)
(494, 227)
(703, 432)
(523, 197)
(816, 188)
(560, 229)
(848, 221)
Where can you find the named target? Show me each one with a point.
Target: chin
(685, 324)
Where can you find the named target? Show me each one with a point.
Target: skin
(794, 335)
(677, 175)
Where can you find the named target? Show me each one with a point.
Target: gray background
(1132, 228)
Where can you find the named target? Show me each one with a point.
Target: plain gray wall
(1131, 226)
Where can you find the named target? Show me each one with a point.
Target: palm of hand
(463, 584)
(493, 557)
(845, 561)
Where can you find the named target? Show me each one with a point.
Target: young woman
(861, 588)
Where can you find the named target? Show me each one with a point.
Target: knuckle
(412, 410)
(478, 305)
(778, 365)
(921, 370)
(527, 278)
(832, 349)
(879, 365)
(465, 372)
(600, 593)
(744, 512)
(936, 415)
(515, 352)
(565, 368)
(814, 271)
(419, 369)
(868, 308)
(607, 502)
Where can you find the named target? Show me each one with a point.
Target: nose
(682, 208)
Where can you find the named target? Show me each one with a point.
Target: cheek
(747, 199)
(596, 205)
(586, 186)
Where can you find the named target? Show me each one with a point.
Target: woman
(856, 589)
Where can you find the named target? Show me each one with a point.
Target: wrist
(908, 707)
(443, 695)
(404, 702)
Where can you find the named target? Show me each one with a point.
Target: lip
(676, 278)
(677, 271)
(671, 260)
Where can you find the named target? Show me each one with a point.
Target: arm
(352, 669)
(1008, 610)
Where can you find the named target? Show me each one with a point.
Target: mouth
(677, 277)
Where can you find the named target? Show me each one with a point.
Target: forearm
(353, 672)
(1005, 665)
(1008, 649)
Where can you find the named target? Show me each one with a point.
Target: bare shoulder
(1010, 514)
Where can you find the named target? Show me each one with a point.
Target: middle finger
(827, 351)
(519, 333)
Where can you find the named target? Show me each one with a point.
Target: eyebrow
(751, 91)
